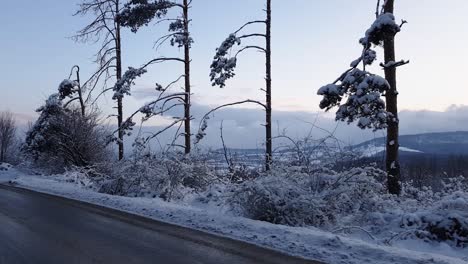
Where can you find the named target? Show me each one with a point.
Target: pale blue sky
(313, 42)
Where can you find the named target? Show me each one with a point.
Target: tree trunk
(392, 162)
(2, 155)
(187, 102)
(269, 150)
(80, 93)
(118, 55)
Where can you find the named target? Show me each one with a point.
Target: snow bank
(215, 218)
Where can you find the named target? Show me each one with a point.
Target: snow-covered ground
(307, 242)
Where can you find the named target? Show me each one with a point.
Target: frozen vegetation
(309, 198)
(318, 213)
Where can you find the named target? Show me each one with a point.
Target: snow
(123, 86)
(370, 151)
(331, 89)
(303, 241)
(384, 22)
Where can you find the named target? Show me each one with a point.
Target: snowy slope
(308, 242)
(443, 143)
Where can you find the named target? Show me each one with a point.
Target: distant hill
(444, 143)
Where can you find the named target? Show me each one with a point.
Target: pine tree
(364, 90)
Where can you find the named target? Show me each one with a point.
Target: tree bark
(392, 159)
(118, 55)
(80, 93)
(187, 79)
(268, 138)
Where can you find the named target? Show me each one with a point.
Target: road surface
(40, 228)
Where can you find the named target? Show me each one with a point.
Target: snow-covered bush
(446, 220)
(78, 177)
(170, 176)
(289, 196)
(5, 166)
(62, 138)
(435, 216)
(240, 173)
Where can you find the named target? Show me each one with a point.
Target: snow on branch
(362, 89)
(67, 88)
(138, 13)
(204, 121)
(122, 86)
(180, 38)
(383, 26)
(158, 107)
(222, 67)
(393, 64)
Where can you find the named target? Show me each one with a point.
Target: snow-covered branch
(204, 121)
(363, 89)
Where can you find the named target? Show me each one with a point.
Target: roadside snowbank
(307, 242)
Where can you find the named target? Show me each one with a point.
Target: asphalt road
(40, 228)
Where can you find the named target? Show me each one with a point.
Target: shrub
(288, 196)
(62, 138)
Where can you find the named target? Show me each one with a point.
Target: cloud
(454, 118)
(242, 127)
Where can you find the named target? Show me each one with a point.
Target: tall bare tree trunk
(269, 149)
(187, 79)
(118, 65)
(392, 160)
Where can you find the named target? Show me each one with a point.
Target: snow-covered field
(308, 242)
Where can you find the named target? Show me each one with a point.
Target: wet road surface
(40, 228)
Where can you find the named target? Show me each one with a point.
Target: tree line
(362, 89)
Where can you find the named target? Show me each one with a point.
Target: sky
(313, 43)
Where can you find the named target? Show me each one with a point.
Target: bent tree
(223, 65)
(137, 14)
(364, 90)
(104, 29)
(68, 88)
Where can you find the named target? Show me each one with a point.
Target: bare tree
(104, 29)
(7, 135)
(223, 67)
(139, 13)
(364, 89)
